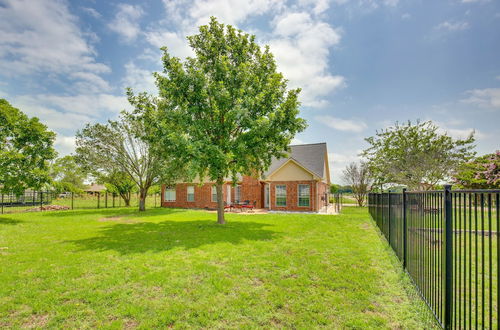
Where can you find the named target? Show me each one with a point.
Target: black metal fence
(49, 200)
(448, 243)
(336, 201)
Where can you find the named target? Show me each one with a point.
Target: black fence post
(389, 224)
(114, 199)
(72, 200)
(41, 200)
(448, 258)
(2, 203)
(106, 199)
(99, 200)
(405, 226)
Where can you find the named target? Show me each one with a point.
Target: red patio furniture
(247, 205)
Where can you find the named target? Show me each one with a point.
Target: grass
(116, 268)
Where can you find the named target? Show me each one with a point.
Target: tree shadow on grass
(156, 237)
(9, 221)
(111, 212)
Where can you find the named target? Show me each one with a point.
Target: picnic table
(245, 205)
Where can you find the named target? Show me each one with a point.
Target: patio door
(266, 195)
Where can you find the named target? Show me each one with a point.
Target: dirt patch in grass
(366, 226)
(116, 219)
(36, 321)
(130, 324)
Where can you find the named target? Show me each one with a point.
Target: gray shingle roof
(311, 156)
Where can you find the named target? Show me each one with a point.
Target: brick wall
(251, 189)
(322, 189)
(292, 202)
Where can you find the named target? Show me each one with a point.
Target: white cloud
(459, 133)
(344, 125)
(297, 141)
(452, 26)
(140, 80)
(301, 45)
(367, 5)
(43, 36)
(474, 1)
(319, 6)
(229, 11)
(126, 21)
(390, 3)
(64, 145)
(405, 16)
(485, 98)
(339, 161)
(177, 44)
(89, 82)
(92, 12)
(69, 113)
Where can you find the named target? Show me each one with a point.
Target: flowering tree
(480, 173)
(492, 169)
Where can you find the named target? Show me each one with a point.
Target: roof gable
(311, 157)
(291, 170)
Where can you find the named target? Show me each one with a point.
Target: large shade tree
(110, 151)
(26, 147)
(417, 155)
(225, 111)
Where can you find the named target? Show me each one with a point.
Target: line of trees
(419, 156)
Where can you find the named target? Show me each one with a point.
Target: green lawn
(117, 268)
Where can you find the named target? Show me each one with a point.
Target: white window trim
(276, 195)
(165, 195)
(298, 195)
(187, 193)
(212, 193)
(237, 193)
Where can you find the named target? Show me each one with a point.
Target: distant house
(297, 183)
(94, 188)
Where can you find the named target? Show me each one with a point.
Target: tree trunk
(142, 199)
(220, 203)
(126, 199)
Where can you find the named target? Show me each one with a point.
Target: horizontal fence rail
(50, 200)
(448, 242)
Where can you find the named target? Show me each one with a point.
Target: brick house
(297, 183)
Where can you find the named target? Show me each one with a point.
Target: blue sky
(362, 64)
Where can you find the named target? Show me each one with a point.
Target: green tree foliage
(119, 147)
(67, 175)
(480, 173)
(26, 147)
(415, 155)
(118, 182)
(225, 111)
(334, 188)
